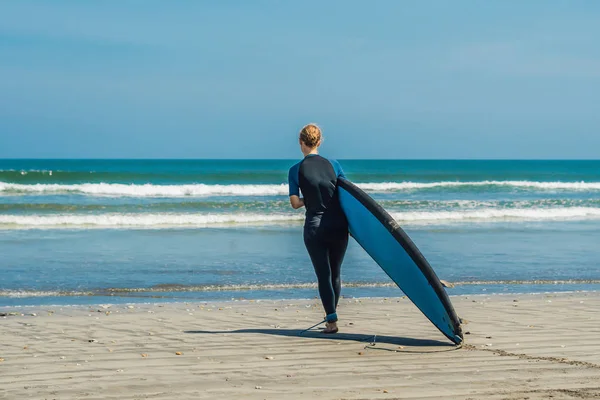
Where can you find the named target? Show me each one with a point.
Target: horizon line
(288, 159)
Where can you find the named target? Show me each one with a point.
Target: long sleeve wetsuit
(325, 227)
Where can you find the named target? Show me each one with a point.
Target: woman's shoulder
(332, 161)
(296, 165)
(337, 167)
(294, 170)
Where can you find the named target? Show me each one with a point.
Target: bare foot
(330, 327)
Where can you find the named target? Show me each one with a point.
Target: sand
(517, 347)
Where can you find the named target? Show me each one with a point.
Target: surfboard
(391, 248)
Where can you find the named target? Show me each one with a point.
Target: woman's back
(316, 177)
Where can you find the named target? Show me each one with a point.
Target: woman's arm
(294, 185)
(296, 202)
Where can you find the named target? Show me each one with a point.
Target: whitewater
(152, 190)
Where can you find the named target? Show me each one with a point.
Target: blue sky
(230, 79)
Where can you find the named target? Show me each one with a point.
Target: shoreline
(263, 300)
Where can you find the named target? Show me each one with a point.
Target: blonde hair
(311, 135)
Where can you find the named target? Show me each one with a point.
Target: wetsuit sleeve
(293, 181)
(338, 169)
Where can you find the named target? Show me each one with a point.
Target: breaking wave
(199, 190)
(189, 220)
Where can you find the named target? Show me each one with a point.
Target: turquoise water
(92, 231)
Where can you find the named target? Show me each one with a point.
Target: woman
(325, 227)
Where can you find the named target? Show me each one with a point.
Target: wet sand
(516, 347)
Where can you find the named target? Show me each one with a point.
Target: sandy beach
(517, 347)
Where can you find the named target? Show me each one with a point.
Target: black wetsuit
(325, 227)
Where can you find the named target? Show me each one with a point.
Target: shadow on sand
(356, 337)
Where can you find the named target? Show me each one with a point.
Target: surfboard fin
(446, 284)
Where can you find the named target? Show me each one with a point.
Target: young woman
(325, 227)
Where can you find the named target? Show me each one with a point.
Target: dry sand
(518, 347)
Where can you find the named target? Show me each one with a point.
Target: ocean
(125, 231)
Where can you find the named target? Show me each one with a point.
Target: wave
(487, 204)
(164, 220)
(28, 171)
(170, 176)
(152, 206)
(275, 205)
(400, 186)
(153, 190)
(499, 215)
(146, 190)
(173, 288)
(183, 220)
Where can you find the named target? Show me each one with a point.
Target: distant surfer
(325, 227)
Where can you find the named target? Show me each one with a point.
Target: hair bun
(310, 135)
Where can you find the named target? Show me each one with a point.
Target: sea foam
(203, 190)
(159, 220)
(174, 288)
(189, 220)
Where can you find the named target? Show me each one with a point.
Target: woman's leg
(337, 250)
(319, 255)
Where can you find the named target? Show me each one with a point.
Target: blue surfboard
(391, 248)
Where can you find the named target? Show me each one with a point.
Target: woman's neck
(310, 152)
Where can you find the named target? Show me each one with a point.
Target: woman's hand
(296, 202)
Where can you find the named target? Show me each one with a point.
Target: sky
(238, 79)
